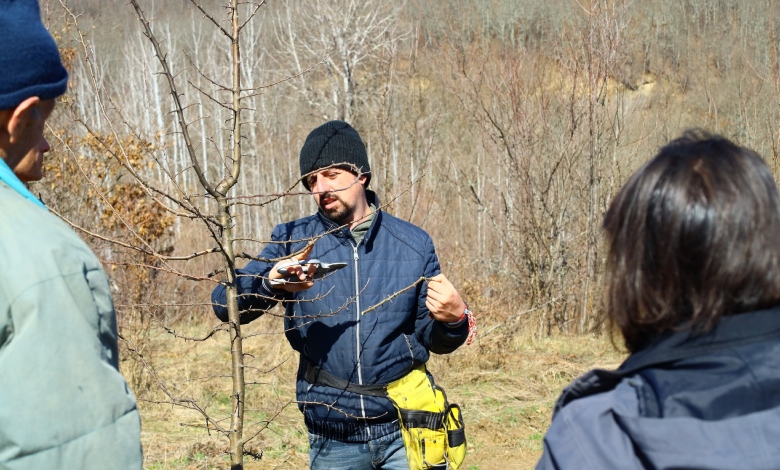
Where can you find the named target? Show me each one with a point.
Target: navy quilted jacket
(325, 325)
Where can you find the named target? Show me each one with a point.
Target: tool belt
(432, 428)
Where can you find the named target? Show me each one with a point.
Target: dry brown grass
(505, 383)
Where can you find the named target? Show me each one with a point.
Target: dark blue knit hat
(334, 143)
(29, 59)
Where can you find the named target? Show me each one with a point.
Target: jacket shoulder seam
(396, 225)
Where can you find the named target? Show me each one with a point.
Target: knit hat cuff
(29, 59)
(44, 91)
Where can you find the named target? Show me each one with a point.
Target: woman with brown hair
(693, 289)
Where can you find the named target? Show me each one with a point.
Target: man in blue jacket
(366, 324)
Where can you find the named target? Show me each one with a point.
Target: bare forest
(501, 127)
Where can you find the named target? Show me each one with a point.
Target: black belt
(317, 376)
(411, 418)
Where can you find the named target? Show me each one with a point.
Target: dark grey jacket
(686, 402)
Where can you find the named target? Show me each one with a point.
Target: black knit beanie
(29, 57)
(334, 143)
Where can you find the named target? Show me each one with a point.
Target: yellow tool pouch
(432, 428)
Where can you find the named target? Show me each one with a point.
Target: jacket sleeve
(64, 403)
(438, 337)
(255, 295)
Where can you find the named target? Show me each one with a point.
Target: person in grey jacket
(63, 402)
(367, 324)
(693, 289)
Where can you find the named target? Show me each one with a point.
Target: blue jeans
(386, 453)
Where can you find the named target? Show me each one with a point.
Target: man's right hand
(302, 272)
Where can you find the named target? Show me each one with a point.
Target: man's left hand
(443, 300)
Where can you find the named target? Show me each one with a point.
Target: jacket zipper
(409, 345)
(357, 328)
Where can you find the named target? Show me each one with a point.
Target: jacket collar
(344, 232)
(8, 177)
(731, 331)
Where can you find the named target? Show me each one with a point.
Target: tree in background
(551, 127)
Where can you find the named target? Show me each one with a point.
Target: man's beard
(341, 214)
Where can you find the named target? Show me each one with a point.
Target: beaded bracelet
(472, 324)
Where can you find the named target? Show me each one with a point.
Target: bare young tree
(164, 185)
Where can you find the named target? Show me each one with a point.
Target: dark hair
(692, 236)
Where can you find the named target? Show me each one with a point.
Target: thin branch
(184, 402)
(175, 96)
(251, 15)
(395, 294)
(167, 270)
(114, 241)
(291, 77)
(211, 18)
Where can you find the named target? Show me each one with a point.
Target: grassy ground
(505, 383)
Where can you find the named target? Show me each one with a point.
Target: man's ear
(21, 115)
(362, 179)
